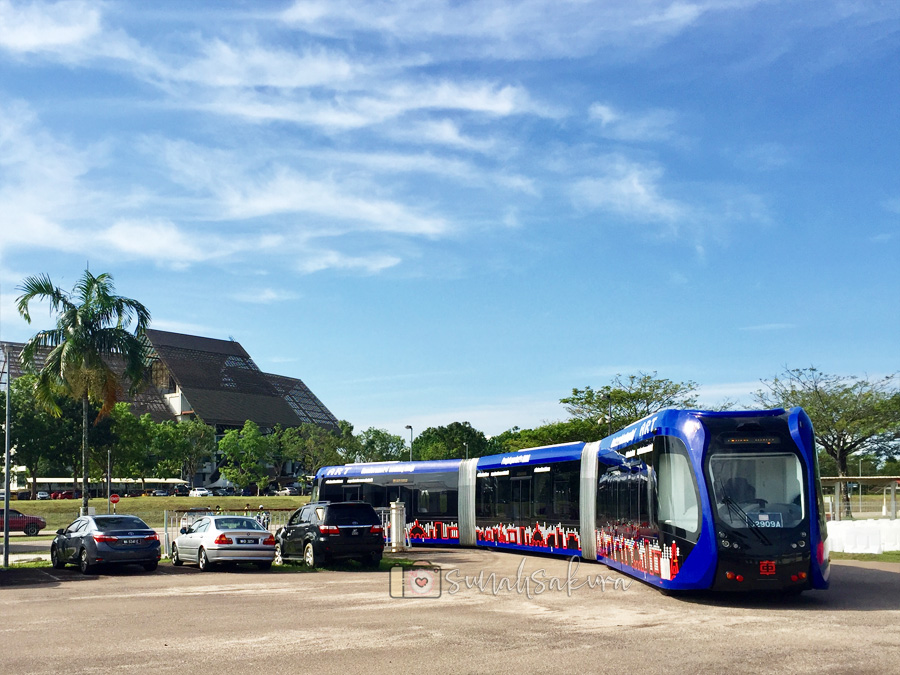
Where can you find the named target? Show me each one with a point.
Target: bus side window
(677, 500)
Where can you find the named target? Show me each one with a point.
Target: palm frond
(41, 288)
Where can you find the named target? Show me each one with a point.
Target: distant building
(215, 381)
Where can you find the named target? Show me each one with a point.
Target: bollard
(398, 526)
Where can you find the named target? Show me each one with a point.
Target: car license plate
(131, 542)
(355, 533)
(246, 541)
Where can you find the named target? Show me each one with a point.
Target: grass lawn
(60, 512)
(887, 556)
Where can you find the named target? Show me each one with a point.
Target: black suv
(324, 531)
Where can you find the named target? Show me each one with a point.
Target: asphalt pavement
(479, 615)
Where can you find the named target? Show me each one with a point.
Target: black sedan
(91, 541)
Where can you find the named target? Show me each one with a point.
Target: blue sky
(458, 211)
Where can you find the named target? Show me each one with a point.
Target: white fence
(864, 536)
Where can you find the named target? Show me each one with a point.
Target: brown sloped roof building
(215, 381)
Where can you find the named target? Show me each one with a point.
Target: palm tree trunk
(85, 404)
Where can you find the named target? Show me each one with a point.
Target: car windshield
(757, 489)
(237, 524)
(351, 514)
(120, 523)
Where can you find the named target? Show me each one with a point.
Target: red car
(19, 522)
(65, 494)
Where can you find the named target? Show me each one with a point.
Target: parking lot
(345, 621)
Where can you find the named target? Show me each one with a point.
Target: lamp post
(410, 441)
(466, 443)
(608, 399)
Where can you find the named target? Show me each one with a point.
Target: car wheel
(279, 560)
(84, 562)
(203, 561)
(264, 565)
(175, 559)
(372, 560)
(151, 566)
(55, 560)
(31, 529)
(309, 555)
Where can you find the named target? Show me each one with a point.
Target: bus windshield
(760, 490)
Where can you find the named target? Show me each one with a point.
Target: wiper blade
(736, 508)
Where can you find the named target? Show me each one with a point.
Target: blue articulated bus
(682, 500)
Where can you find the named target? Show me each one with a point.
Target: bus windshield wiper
(736, 508)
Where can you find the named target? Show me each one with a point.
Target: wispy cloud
(631, 190)
(36, 27)
(265, 296)
(504, 29)
(653, 125)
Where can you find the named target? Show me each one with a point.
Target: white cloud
(289, 192)
(441, 132)
(250, 65)
(265, 296)
(163, 242)
(505, 29)
(630, 190)
(654, 125)
(35, 27)
(324, 260)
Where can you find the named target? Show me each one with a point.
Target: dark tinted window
(351, 514)
(119, 523)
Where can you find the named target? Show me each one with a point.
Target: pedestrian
(218, 510)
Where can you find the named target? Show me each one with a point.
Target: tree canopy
(629, 398)
(91, 331)
(850, 415)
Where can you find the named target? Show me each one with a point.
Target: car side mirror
(183, 530)
(60, 531)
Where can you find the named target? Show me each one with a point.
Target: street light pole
(608, 400)
(410, 441)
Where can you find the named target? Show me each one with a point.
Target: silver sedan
(216, 539)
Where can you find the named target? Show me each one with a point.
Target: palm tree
(91, 331)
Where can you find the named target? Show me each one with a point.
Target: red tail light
(222, 539)
(270, 541)
(153, 537)
(376, 529)
(105, 538)
(329, 529)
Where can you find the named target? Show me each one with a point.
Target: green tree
(284, 446)
(570, 431)
(378, 445)
(92, 331)
(33, 431)
(320, 447)
(192, 443)
(135, 439)
(245, 455)
(454, 441)
(850, 415)
(628, 399)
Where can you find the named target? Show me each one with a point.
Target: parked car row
(315, 534)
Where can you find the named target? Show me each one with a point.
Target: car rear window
(237, 524)
(351, 514)
(120, 522)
